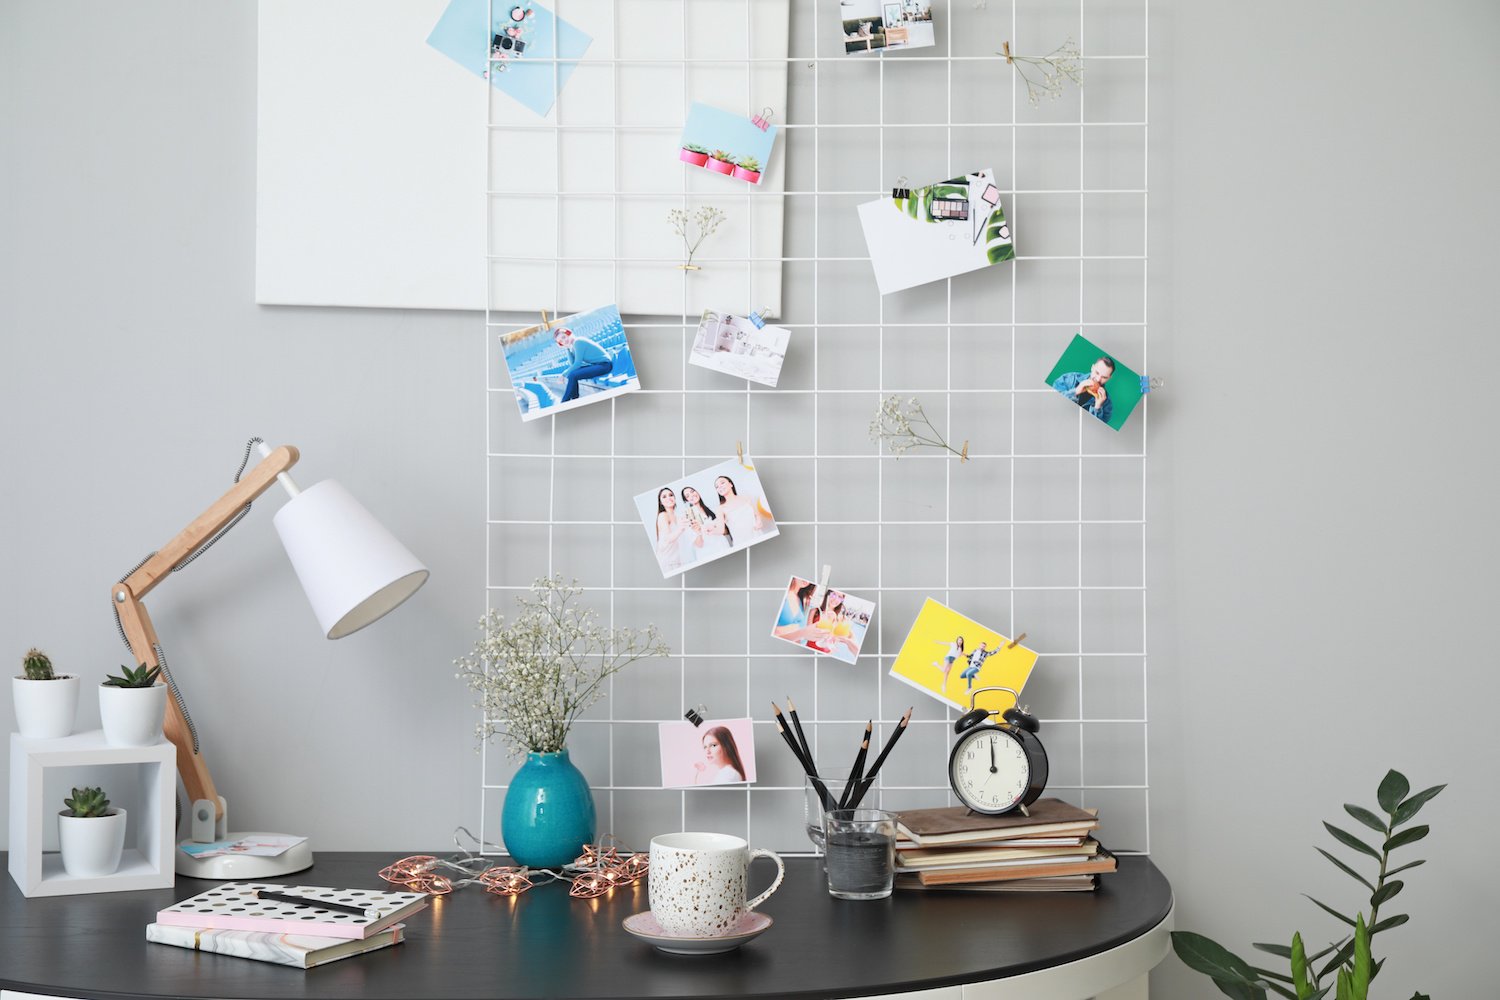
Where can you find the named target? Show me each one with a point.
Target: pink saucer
(644, 926)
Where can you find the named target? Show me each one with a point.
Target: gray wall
(1323, 219)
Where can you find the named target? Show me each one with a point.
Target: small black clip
(696, 714)
(900, 193)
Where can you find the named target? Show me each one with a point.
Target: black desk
(545, 944)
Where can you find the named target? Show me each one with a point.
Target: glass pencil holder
(820, 796)
(860, 853)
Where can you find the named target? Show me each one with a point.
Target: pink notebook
(233, 906)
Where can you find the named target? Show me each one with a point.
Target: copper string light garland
(599, 869)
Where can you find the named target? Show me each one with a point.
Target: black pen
(282, 897)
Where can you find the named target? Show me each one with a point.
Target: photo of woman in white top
(742, 516)
(721, 759)
(669, 531)
(955, 653)
(705, 515)
(711, 536)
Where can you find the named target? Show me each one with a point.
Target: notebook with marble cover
(302, 951)
(233, 906)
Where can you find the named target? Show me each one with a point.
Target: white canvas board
(371, 163)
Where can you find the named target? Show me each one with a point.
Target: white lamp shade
(352, 568)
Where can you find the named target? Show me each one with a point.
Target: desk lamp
(354, 572)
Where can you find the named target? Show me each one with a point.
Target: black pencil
(856, 772)
(317, 904)
(884, 753)
(806, 763)
(791, 708)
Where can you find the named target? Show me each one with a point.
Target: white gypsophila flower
(1045, 76)
(903, 426)
(537, 674)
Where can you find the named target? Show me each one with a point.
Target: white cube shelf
(147, 860)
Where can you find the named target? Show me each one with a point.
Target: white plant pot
(91, 847)
(45, 710)
(132, 717)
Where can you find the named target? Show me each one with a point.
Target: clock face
(990, 772)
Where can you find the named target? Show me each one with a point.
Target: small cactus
(88, 802)
(141, 677)
(38, 666)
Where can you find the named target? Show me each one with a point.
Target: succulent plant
(694, 148)
(751, 164)
(719, 154)
(88, 802)
(141, 677)
(38, 666)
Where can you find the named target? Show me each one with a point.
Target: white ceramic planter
(45, 709)
(132, 717)
(91, 847)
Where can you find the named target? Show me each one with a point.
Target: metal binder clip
(901, 190)
(1148, 383)
(762, 121)
(696, 714)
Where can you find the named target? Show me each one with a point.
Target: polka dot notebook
(233, 906)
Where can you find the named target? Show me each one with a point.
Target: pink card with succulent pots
(725, 143)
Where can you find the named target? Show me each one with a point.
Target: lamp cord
(161, 656)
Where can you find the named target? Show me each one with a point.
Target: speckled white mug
(697, 882)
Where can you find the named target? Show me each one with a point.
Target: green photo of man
(1095, 380)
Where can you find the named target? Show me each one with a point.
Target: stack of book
(1051, 850)
(302, 926)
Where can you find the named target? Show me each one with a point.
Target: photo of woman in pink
(721, 760)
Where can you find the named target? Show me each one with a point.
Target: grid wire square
(1114, 688)
(847, 548)
(781, 424)
(791, 481)
(1114, 753)
(1117, 91)
(914, 491)
(1114, 292)
(901, 84)
(985, 493)
(982, 89)
(1064, 754)
(713, 419)
(843, 423)
(1046, 160)
(920, 552)
(1114, 224)
(587, 169)
(979, 555)
(1049, 618)
(523, 160)
(1049, 291)
(847, 489)
(777, 817)
(1052, 689)
(979, 358)
(897, 612)
(1046, 423)
(719, 810)
(519, 554)
(845, 360)
(713, 620)
(1114, 157)
(1114, 27)
(1043, 484)
(1046, 555)
(641, 815)
(983, 419)
(584, 431)
(916, 358)
(849, 171)
(1113, 555)
(652, 425)
(920, 154)
(520, 489)
(925, 304)
(1051, 223)
(1123, 823)
(580, 490)
(1114, 621)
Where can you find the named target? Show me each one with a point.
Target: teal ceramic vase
(549, 812)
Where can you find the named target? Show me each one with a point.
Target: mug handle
(780, 874)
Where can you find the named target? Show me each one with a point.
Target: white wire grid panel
(1042, 531)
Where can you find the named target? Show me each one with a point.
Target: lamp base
(244, 866)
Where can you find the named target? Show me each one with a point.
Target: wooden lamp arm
(136, 624)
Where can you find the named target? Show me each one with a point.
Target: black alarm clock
(996, 768)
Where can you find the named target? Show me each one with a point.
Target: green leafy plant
(997, 244)
(141, 677)
(38, 666)
(1351, 965)
(87, 803)
(751, 164)
(719, 154)
(694, 148)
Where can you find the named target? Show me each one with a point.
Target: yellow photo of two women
(948, 656)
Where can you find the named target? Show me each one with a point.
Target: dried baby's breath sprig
(694, 229)
(1046, 74)
(903, 425)
(537, 673)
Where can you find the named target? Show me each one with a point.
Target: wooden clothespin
(546, 323)
(963, 456)
(827, 572)
(739, 449)
(1005, 51)
(1016, 641)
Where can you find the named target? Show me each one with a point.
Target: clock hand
(993, 768)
